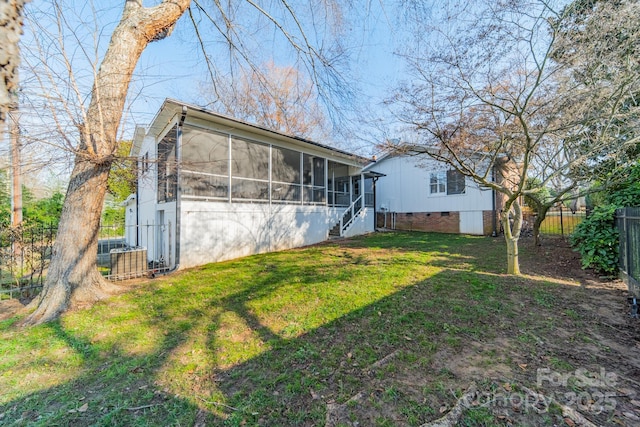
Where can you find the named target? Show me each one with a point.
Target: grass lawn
(382, 330)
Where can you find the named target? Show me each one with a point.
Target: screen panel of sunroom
(314, 179)
(205, 164)
(285, 175)
(249, 170)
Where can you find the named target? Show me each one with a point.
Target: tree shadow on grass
(294, 378)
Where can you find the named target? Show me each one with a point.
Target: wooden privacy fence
(628, 223)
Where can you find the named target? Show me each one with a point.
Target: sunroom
(224, 188)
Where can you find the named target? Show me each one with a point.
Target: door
(161, 239)
(471, 223)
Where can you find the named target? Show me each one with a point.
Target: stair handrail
(351, 209)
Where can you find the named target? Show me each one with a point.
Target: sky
(174, 67)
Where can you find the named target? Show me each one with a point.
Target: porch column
(350, 189)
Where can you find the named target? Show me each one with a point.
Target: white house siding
(156, 225)
(198, 229)
(406, 190)
(362, 224)
(218, 231)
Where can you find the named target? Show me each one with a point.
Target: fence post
(561, 222)
(626, 241)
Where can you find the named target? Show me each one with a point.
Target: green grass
(270, 339)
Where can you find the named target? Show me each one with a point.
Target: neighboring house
(420, 193)
(212, 188)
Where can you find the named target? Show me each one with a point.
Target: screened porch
(222, 167)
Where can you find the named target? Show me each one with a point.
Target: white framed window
(446, 182)
(438, 182)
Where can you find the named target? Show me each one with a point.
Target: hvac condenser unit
(128, 262)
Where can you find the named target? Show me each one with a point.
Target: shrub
(596, 238)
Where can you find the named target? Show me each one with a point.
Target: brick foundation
(439, 222)
(487, 223)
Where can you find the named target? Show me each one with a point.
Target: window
(447, 182)
(455, 182)
(438, 182)
(144, 163)
(205, 164)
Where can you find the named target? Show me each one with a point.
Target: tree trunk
(73, 277)
(512, 235)
(541, 215)
(10, 32)
(537, 239)
(513, 262)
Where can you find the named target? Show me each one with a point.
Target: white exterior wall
(211, 231)
(362, 224)
(130, 218)
(405, 188)
(218, 231)
(159, 241)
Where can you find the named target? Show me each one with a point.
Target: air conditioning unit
(127, 263)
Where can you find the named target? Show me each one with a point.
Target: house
(213, 188)
(421, 193)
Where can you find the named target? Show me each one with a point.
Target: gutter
(178, 196)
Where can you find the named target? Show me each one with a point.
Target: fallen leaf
(408, 338)
(443, 409)
(349, 355)
(507, 386)
(569, 422)
(523, 366)
(83, 408)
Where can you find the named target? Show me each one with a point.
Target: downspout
(375, 214)
(138, 229)
(178, 193)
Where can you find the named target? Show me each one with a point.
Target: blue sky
(174, 67)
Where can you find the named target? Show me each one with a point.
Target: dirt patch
(566, 355)
(9, 308)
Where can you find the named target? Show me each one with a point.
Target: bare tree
(598, 44)
(11, 27)
(489, 100)
(10, 32)
(279, 98)
(73, 276)
(90, 128)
